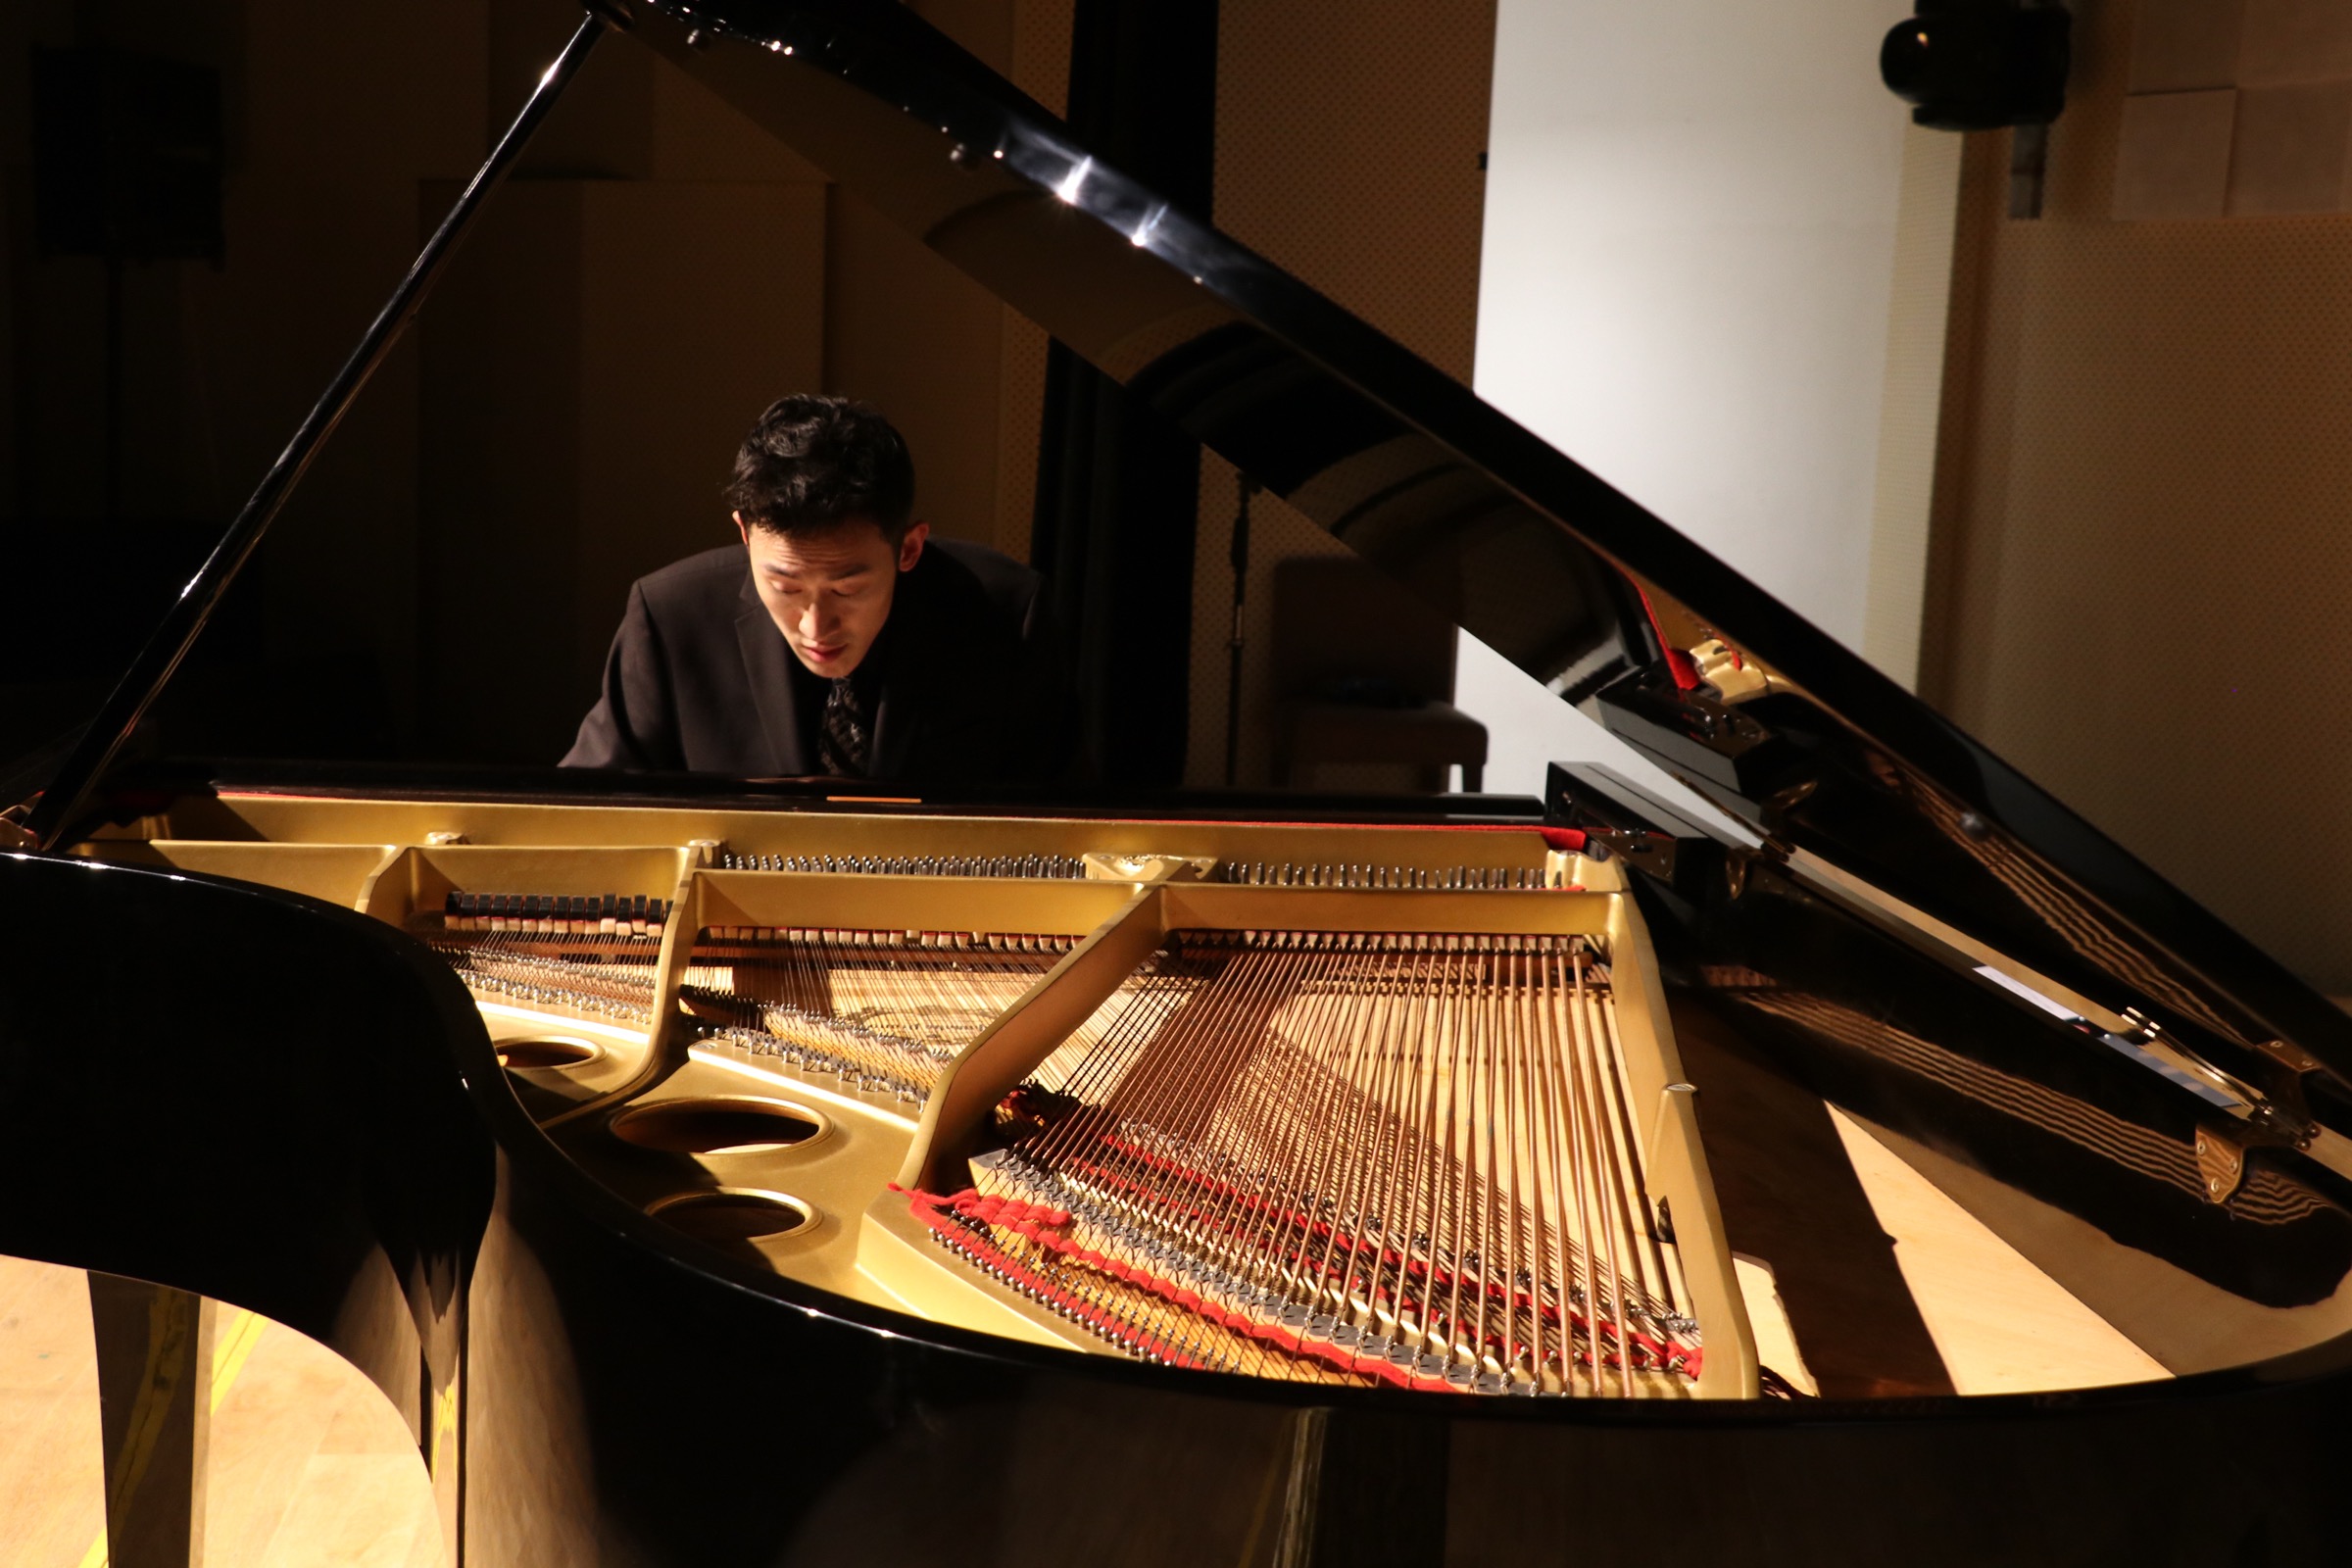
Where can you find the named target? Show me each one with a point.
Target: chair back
(1338, 619)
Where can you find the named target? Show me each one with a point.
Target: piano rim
(133, 793)
(2322, 1371)
(2314, 1372)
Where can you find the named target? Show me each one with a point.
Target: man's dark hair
(812, 464)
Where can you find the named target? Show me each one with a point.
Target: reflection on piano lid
(1143, 1196)
(1674, 651)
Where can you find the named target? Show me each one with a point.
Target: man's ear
(911, 548)
(743, 529)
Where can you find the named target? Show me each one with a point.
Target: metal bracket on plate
(1739, 862)
(2294, 1058)
(1649, 851)
(2221, 1165)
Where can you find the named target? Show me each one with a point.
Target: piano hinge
(2294, 1058)
(1735, 676)
(1773, 853)
(2221, 1165)
(1649, 851)
(1107, 867)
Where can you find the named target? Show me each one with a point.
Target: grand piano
(717, 1171)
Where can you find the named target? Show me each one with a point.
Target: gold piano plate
(728, 1215)
(545, 1053)
(916, 1002)
(883, 1011)
(719, 1124)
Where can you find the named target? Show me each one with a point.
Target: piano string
(883, 1011)
(1248, 873)
(1061, 866)
(1399, 1158)
(1402, 1160)
(590, 955)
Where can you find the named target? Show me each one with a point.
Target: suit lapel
(765, 666)
(897, 723)
(909, 664)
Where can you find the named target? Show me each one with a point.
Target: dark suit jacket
(970, 685)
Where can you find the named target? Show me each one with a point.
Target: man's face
(830, 592)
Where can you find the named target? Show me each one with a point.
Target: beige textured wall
(578, 411)
(329, 129)
(1348, 154)
(2143, 561)
(1910, 403)
(1347, 147)
(1040, 66)
(963, 375)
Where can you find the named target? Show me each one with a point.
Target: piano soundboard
(1386, 1106)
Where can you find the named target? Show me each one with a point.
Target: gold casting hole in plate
(731, 1216)
(717, 1125)
(547, 1050)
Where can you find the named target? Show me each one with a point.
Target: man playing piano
(838, 638)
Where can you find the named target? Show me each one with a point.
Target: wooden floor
(309, 1468)
(2001, 1325)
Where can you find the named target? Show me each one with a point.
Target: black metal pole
(1240, 560)
(111, 479)
(133, 695)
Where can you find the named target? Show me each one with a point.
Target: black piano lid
(574, 1410)
(1526, 549)
(1572, 581)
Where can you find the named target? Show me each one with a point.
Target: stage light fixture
(1977, 65)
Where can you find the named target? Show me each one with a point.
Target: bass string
(1646, 1270)
(1554, 1176)
(1606, 1189)
(1370, 1117)
(1194, 1046)
(935, 997)
(1286, 997)
(1121, 1083)
(1295, 1142)
(1268, 1105)
(596, 965)
(1493, 1325)
(1534, 1273)
(1315, 1130)
(1247, 1218)
(1400, 1211)
(1585, 1172)
(1495, 1246)
(1655, 1296)
(1137, 990)
(1669, 1307)
(894, 1005)
(932, 997)
(1298, 1135)
(1152, 1121)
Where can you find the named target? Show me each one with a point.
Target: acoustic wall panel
(2255, 95)
(2143, 517)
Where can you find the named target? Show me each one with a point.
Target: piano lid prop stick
(61, 803)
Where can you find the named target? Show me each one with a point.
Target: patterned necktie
(842, 739)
